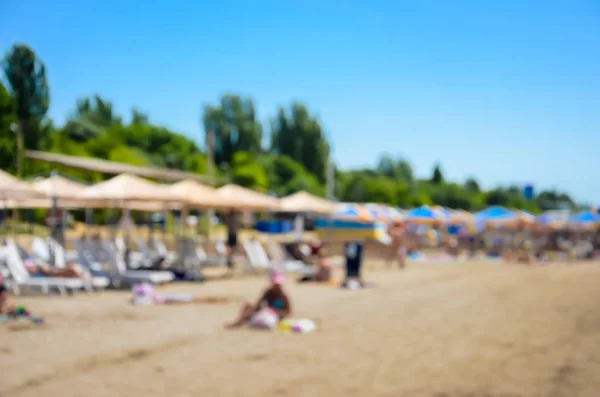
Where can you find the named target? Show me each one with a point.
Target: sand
(447, 330)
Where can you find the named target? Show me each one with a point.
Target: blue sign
(528, 192)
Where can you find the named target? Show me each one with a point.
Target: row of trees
(296, 157)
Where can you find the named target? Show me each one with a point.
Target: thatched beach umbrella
(196, 195)
(245, 199)
(306, 202)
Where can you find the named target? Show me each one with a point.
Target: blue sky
(507, 91)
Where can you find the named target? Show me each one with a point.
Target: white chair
(133, 276)
(255, 261)
(170, 257)
(21, 277)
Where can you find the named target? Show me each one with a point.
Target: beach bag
(298, 325)
(264, 319)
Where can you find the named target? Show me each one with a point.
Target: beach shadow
(256, 357)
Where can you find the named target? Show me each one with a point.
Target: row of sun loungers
(105, 262)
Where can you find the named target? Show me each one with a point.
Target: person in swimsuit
(273, 297)
(396, 232)
(7, 305)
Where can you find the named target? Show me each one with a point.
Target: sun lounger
(118, 264)
(21, 277)
(258, 259)
(255, 261)
(280, 257)
(169, 257)
(60, 261)
(210, 260)
(136, 259)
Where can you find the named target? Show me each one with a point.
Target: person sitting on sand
(7, 305)
(274, 298)
(324, 268)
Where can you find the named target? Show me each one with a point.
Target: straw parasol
(195, 194)
(306, 202)
(58, 186)
(6, 178)
(243, 198)
(127, 187)
(12, 188)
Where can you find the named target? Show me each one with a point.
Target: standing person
(232, 223)
(397, 235)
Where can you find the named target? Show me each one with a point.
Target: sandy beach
(446, 330)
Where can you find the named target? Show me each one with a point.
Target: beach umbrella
(424, 215)
(586, 218)
(496, 215)
(378, 212)
(353, 213)
(195, 194)
(554, 219)
(6, 178)
(126, 187)
(460, 217)
(243, 198)
(306, 202)
(17, 190)
(384, 213)
(58, 186)
(525, 216)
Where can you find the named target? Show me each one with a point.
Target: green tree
(26, 76)
(452, 195)
(287, 176)
(301, 137)
(247, 172)
(437, 178)
(472, 185)
(399, 169)
(8, 142)
(234, 126)
(553, 200)
(91, 118)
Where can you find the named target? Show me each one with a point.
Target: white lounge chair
(137, 259)
(210, 260)
(287, 266)
(255, 261)
(170, 257)
(60, 261)
(118, 264)
(280, 257)
(21, 277)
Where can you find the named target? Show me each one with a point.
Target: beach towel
(145, 295)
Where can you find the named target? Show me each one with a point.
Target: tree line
(296, 157)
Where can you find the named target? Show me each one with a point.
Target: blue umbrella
(423, 214)
(353, 212)
(585, 218)
(495, 214)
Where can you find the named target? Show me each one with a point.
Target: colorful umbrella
(496, 215)
(424, 215)
(586, 218)
(353, 212)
